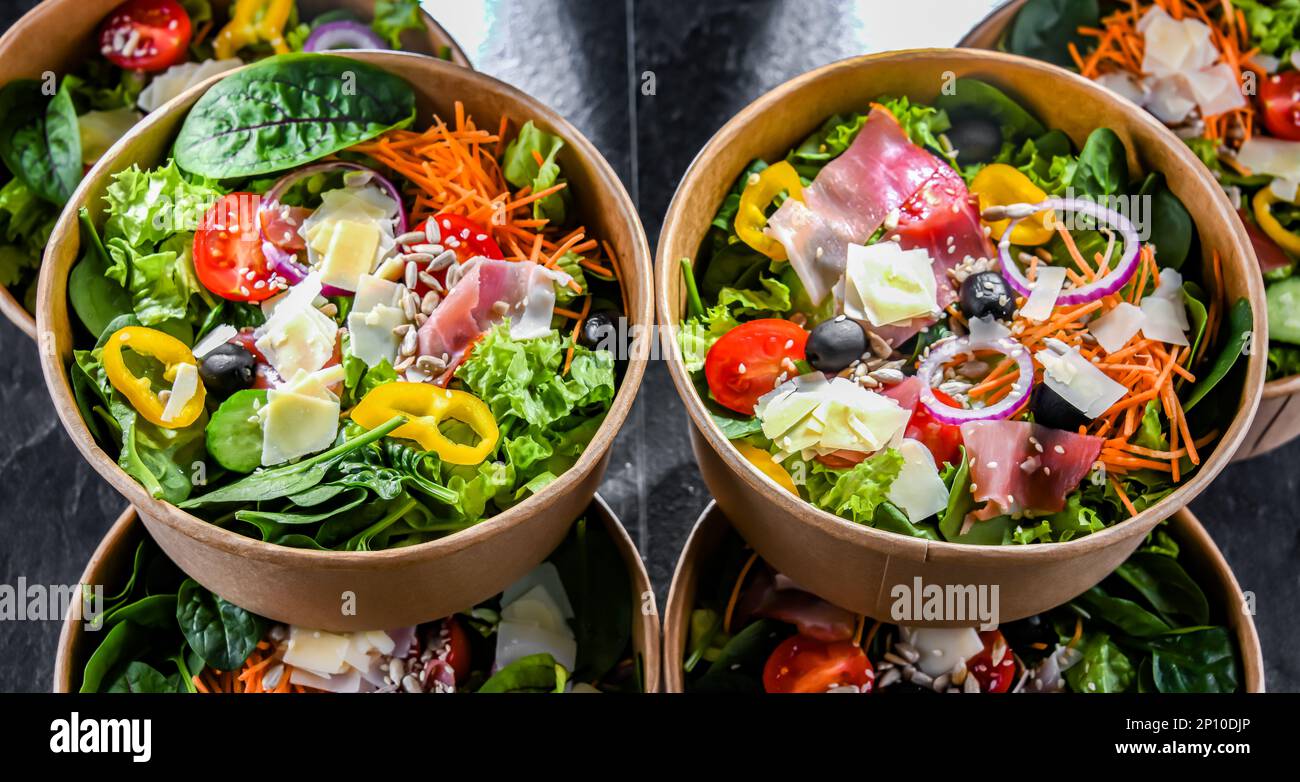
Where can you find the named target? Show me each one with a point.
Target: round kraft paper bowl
(305, 587)
(111, 563)
(1200, 556)
(1278, 420)
(854, 565)
(57, 36)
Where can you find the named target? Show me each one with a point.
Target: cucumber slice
(1284, 311)
(234, 434)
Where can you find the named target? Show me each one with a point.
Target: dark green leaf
(222, 633)
(1127, 616)
(1166, 586)
(596, 581)
(1171, 226)
(289, 110)
(1201, 660)
(1103, 166)
(1044, 29)
(39, 139)
(234, 433)
(1236, 335)
(534, 673)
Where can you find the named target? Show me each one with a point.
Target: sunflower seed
(409, 342)
(921, 678)
(420, 319)
(400, 330)
(907, 651)
(879, 346)
(431, 282)
(429, 301)
(404, 364)
(971, 684)
(897, 660)
(396, 669)
(330, 309)
(412, 237)
(430, 364)
(409, 307)
(410, 683)
(941, 683)
(271, 679)
(888, 376)
(500, 308)
(430, 249)
(891, 676)
(411, 274)
(431, 231)
(442, 261)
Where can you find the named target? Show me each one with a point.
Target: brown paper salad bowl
(277, 446)
(62, 37)
(588, 609)
(889, 430)
(730, 615)
(1045, 29)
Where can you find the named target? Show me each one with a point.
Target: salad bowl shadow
(304, 586)
(1275, 424)
(1203, 560)
(110, 566)
(853, 565)
(57, 35)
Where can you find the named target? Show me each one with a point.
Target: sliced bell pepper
(766, 465)
(251, 22)
(1001, 185)
(168, 351)
(1263, 203)
(427, 406)
(751, 216)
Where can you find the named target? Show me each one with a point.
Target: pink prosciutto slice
(488, 293)
(773, 596)
(849, 200)
(1018, 466)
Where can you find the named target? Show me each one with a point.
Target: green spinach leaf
(39, 139)
(222, 633)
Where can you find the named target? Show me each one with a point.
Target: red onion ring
(343, 34)
(1111, 283)
(948, 349)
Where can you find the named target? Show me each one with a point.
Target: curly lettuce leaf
(521, 168)
(854, 493)
(146, 207)
(394, 17)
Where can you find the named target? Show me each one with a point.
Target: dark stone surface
(589, 60)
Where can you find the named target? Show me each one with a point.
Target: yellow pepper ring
(1001, 185)
(751, 217)
(252, 21)
(1269, 224)
(428, 406)
(168, 351)
(766, 465)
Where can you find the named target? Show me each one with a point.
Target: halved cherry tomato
(457, 648)
(943, 440)
(993, 678)
(228, 250)
(745, 363)
(146, 35)
(281, 227)
(841, 459)
(466, 237)
(802, 664)
(1279, 96)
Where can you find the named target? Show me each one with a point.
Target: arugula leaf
(289, 110)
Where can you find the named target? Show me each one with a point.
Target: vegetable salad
(349, 335)
(1225, 77)
(150, 51)
(1146, 628)
(566, 626)
(939, 321)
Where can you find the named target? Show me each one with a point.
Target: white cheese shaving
(179, 78)
(918, 490)
(219, 336)
(184, 387)
(885, 284)
(1047, 289)
(1079, 382)
(941, 648)
(1272, 156)
(1114, 329)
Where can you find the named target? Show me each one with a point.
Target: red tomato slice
(466, 237)
(943, 440)
(146, 35)
(745, 363)
(1279, 97)
(458, 654)
(228, 250)
(281, 227)
(993, 678)
(802, 664)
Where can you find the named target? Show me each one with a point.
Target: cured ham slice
(849, 200)
(488, 293)
(1018, 466)
(773, 596)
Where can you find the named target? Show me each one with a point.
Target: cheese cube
(351, 254)
(295, 425)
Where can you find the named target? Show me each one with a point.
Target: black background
(589, 60)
